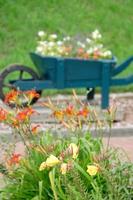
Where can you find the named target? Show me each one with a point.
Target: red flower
(32, 94)
(15, 159)
(28, 111)
(69, 110)
(80, 51)
(3, 114)
(25, 114)
(11, 96)
(96, 54)
(84, 112)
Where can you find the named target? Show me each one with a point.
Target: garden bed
(79, 157)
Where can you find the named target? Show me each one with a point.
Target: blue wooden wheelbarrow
(61, 73)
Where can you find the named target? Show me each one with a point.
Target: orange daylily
(15, 159)
(3, 114)
(28, 111)
(69, 110)
(21, 116)
(32, 94)
(24, 114)
(84, 112)
(11, 96)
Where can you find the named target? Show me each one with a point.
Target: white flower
(66, 39)
(107, 53)
(41, 33)
(43, 43)
(60, 50)
(39, 49)
(66, 53)
(81, 44)
(100, 46)
(51, 44)
(95, 49)
(96, 34)
(52, 54)
(59, 43)
(88, 40)
(90, 50)
(53, 36)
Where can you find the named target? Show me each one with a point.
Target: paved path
(124, 144)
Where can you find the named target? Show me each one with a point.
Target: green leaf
(52, 181)
(35, 198)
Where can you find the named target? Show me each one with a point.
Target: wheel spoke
(8, 85)
(21, 74)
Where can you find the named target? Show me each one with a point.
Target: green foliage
(111, 182)
(21, 20)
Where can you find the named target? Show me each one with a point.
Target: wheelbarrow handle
(122, 81)
(118, 69)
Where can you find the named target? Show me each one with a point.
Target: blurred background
(20, 22)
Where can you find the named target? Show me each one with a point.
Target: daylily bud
(63, 168)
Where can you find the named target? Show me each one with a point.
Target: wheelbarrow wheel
(17, 72)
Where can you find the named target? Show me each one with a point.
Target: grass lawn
(21, 20)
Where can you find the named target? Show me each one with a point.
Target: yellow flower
(63, 168)
(42, 166)
(50, 162)
(75, 149)
(92, 170)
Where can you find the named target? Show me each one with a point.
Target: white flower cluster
(50, 45)
(93, 48)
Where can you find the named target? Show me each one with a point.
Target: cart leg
(90, 93)
(105, 86)
(105, 98)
